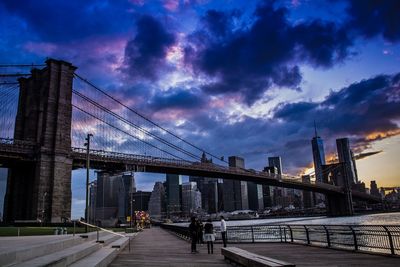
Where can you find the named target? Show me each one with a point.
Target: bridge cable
(116, 128)
(136, 126)
(145, 118)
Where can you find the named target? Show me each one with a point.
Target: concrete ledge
(246, 258)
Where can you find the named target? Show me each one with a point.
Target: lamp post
(87, 144)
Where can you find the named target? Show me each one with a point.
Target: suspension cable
(108, 111)
(116, 128)
(148, 120)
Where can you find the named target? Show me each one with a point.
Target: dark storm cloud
(253, 58)
(373, 17)
(145, 54)
(59, 20)
(362, 108)
(177, 98)
(219, 23)
(363, 111)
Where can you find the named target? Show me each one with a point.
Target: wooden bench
(246, 258)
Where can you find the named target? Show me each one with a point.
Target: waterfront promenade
(157, 247)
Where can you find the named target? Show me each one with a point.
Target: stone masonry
(42, 189)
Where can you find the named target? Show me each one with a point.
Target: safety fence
(366, 238)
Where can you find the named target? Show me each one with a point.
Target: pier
(158, 247)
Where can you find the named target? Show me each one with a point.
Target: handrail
(98, 227)
(382, 239)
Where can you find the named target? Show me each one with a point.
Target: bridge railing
(16, 146)
(382, 239)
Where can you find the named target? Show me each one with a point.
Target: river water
(370, 219)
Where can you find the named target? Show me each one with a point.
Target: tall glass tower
(346, 157)
(318, 155)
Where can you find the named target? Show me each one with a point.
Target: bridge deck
(156, 247)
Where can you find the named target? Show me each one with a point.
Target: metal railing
(365, 238)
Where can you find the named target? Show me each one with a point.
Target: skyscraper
(239, 199)
(255, 195)
(208, 188)
(275, 162)
(374, 189)
(318, 156)
(345, 157)
(173, 195)
(157, 201)
(191, 198)
(113, 196)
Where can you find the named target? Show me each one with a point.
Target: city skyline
(238, 78)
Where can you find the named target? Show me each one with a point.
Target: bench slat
(247, 258)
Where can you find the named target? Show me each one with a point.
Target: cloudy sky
(245, 78)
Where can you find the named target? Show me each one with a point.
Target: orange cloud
(381, 135)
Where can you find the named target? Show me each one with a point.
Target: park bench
(246, 258)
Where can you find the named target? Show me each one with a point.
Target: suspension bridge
(46, 115)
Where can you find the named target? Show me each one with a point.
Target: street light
(87, 144)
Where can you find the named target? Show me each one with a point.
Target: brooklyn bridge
(47, 114)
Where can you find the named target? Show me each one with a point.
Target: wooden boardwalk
(157, 247)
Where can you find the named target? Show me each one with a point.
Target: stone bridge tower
(41, 189)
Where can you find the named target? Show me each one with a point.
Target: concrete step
(100, 258)
(44, 246)
(120, 243)
(105, 255)
(107, 239)
(63, 257)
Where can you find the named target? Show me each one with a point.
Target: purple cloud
(250, 60)
(145, 54)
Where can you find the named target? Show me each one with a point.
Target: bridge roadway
(11, 150)
(157, 247)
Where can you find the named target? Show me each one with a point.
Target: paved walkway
(157, 247)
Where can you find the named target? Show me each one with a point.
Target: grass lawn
(24, 231)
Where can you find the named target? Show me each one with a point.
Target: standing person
(193, 232)
(223, 230)
(200, 231)
(209, 236)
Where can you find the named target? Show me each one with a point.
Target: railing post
(354, 237)
(328, 238)
(280, 232)
(252, 234)
(97, 234)
(291, 233)
(390, 240)
(307, 235)
(284, 233)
